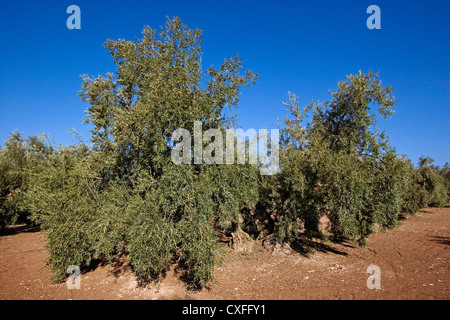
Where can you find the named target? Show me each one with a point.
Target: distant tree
(444, 172)
(19, 159)
(426, 187)
(432, 182)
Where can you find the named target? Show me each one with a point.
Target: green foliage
(414, 194)
(444, 172)
(19, 160)
(63, 199)
(433, 183)
(339, 165)
(427, 186)
(125, 195)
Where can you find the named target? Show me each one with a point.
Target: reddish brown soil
(413, 259)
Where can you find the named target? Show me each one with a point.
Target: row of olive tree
(19, 159)
(335, 162)
(121, 195)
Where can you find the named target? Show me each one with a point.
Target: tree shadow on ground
(117, 267)
(307, 247)
(186, 275)
(440, 239)
(21, 228)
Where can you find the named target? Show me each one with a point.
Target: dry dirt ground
(413, 260)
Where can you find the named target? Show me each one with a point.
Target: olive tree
(125, 195)
(336, 162)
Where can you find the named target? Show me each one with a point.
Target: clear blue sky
(304, 47)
